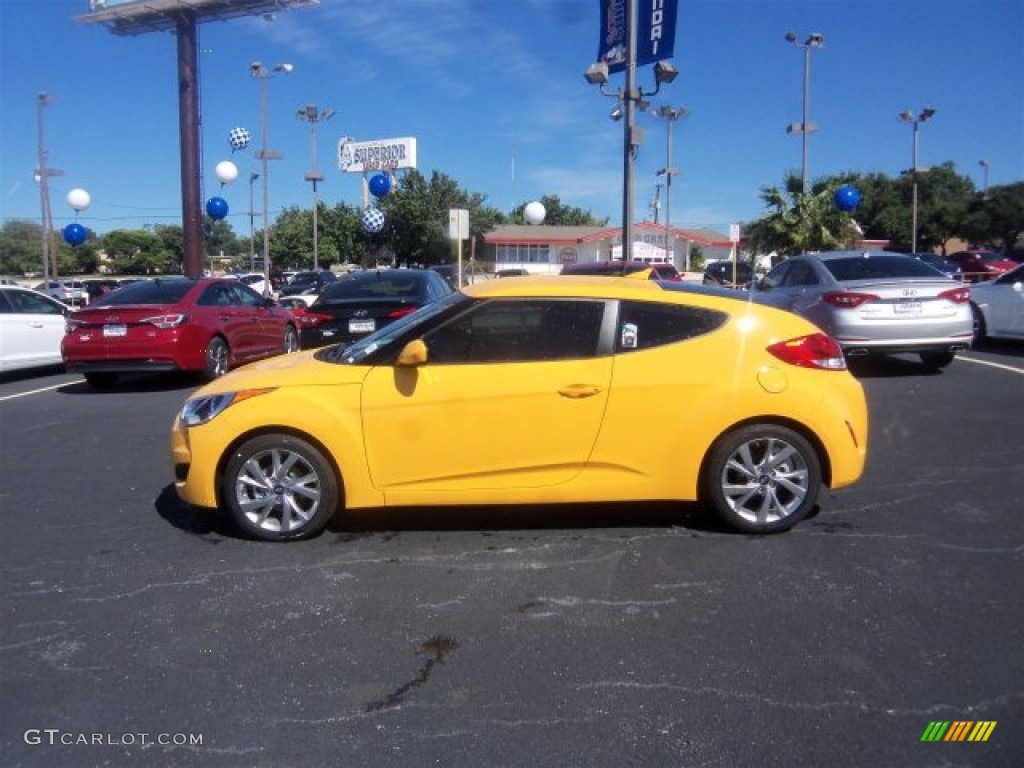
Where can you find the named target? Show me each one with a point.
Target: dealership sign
(655, 32)
(380, 155)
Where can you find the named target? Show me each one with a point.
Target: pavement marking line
(1009, 368)
(34, 391)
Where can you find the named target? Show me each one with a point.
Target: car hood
(300, 369)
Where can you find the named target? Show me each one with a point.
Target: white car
(999, 306)
(254, 280)
(31, 328)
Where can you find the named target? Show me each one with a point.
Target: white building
(543, 249)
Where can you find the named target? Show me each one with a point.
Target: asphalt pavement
(139, 631)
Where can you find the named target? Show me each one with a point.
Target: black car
(447, 271)
(362, 302)
(721, 273)
(308, 282)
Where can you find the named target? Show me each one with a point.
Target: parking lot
(139, 631)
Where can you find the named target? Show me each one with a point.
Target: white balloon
(534, 213)
(226, 171)
(79, 199)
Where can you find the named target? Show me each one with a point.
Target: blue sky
(493, 91)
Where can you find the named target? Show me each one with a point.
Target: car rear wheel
(762, 478)
(280, 487)
(291, 339)
(101, 380)
(216, 358)
(939, 358)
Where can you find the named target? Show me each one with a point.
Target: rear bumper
(120, 366)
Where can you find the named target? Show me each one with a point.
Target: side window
(644, 325)
(524, 330)
(245, 296)
(800, 273)
(776, 276)
(5, 305)
(28, 303)
(215, 295)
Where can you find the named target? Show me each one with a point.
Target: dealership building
(544, 249)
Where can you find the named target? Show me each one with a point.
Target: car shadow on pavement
(137, 382)
(200, 522)
(353, 524)
(890, 366)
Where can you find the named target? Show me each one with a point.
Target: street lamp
(257, 70)
(252, 214)
(814, 41)
(908, 117)
(985, 164)
(312, 114)
(672, 115)
(626, 102)
(43, 175)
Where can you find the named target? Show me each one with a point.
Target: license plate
(362, 326)
(908, 308)
(118, 329)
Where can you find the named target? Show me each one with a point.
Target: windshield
(374, 286)
(359, 351)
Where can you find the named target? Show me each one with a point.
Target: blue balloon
(74, 234)
(216, 208)
(846, 198)
(380, 184)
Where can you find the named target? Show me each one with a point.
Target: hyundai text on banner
(655, 32)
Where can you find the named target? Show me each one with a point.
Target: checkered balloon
(373, 220)
(239, 139)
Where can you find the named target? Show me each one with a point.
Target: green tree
(798, 222)
(996, 218)
(21, 247)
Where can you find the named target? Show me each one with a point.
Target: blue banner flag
(655, 32)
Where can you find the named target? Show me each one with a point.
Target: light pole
(257, 70)
(43, 174)
(630, 98)
(814, 41)
(672, 115)
(252, 215)
(985, 164)
(312, 114)
(908, 117)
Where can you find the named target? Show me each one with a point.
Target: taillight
(814, 351)
(166, 321)
(956, 295)
(848, 299)
(396, 313)
(312, 319)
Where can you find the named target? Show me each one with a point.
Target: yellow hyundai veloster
(535, 390)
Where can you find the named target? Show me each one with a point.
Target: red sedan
(175, 324)
(976, 266)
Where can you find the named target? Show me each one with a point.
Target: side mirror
(413, 354)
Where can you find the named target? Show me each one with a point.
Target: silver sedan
(875, 302)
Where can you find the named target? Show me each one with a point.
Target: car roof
(853, 254)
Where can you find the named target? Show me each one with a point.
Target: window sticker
(628, 336)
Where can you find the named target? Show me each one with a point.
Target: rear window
(147, 292)
(374, 287)
(877, 267)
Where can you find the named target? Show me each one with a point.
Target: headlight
(201, 410)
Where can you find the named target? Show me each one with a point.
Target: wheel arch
(824, 460)
(276, 429)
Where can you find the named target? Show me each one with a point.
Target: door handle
(579, 391)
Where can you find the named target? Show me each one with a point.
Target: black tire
(101, 381)
(279, 487)
(217, 357)
(938, 358)
(291, 339)
(762, 478)
(980, 329)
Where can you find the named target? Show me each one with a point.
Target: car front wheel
(291, 339)
(280, 487)
(762, 478)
